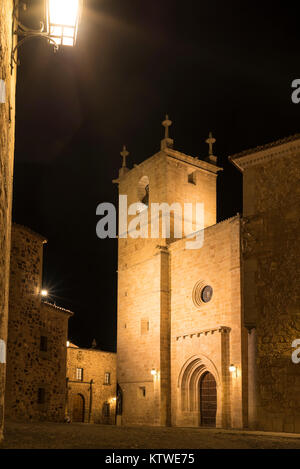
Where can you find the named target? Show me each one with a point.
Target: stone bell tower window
(143, 190)
(192, 178)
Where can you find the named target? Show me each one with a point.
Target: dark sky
(224, 66)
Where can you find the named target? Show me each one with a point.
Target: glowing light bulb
(63, 18)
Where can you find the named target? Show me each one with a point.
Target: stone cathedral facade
(204, 335)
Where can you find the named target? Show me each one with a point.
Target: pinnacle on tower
(124, 153)
(167, 142)
(211, 141)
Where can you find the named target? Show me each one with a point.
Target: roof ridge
(26, 228)
(259, 148)
(60, 308)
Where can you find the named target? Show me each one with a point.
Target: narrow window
(41, 396)
(144, 326)
(43, 344)
(107, 378)
(145, 200)
(79, 374)
(142, 391)
(192, 178)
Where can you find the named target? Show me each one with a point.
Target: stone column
(252, 379)
(91, 402)
(7, 132)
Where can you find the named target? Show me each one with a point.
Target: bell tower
(144, 315)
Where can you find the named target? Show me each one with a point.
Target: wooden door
(78, 408)
(208, 400)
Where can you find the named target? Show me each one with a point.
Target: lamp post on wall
(60, 25)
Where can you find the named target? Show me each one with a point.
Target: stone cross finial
(210, 141)
(167, 142)
(124, 153)
(167, 123)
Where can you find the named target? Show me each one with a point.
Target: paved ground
(77, 436)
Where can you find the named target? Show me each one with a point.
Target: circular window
(202, 293)
(206, 294)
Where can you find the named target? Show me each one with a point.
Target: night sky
(220, 66)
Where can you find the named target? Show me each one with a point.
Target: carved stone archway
(189, 381)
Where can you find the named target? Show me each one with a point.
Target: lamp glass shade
(62, 20)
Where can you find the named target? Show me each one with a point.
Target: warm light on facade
(232, 369)
(153, 372)
(68, 343)
(44, 293)
(62, 20)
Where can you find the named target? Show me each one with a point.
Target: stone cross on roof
(124, 153)
(210, 141)
(167, 141)
(167, 123)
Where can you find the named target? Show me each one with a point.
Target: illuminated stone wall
(208, 336)
(272, 279)
(98, 394)
(7, 130)
(145, 285)
(30, 366)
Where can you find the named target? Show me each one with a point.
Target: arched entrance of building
(199, 394)
(78, 405)
(208, 400)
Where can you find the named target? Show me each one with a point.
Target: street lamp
(63, 17)
(62, 20)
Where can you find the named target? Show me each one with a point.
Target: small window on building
(106, 409)
(41, 396)
(79, 374)
(44, 344)
(107, 378)
(144, 326)
(142, 391)
(143, 190)
(192, 178)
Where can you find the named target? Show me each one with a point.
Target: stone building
(37, 336)
(91, 385)
(204, 335)
(7, 137)
(271, 280)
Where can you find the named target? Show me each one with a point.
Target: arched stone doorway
(200, 401)
(78, 405)
(208, 400)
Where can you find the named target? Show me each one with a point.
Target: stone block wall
(37, 336)
(7, 135)
(271, 284)
(94, 391)
(208, 337)
(144, 284)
